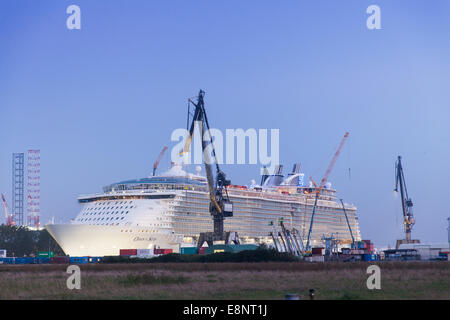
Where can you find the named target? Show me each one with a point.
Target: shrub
(258, 255)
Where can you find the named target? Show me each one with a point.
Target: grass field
(272, 280)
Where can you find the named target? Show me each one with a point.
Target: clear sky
(101, 102)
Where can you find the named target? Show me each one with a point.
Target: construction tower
(33, 187)
(18, 189)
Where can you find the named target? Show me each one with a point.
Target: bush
(258, 255)
(19, 241)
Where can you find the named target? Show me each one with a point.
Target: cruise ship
(170, 210)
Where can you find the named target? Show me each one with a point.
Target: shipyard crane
(407, 204)
(348, 224)
(9, 218)
(155, 165)
(220, 204)
(322, 184)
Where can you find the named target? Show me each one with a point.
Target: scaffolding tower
(34, 187)
(18, 189)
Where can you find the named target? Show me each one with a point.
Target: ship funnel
(275, 179)
(295, 178)
(296, 168)
(278, 169)
(265, 175)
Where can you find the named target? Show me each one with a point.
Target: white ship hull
(92, 240)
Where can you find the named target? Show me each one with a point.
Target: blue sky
(101, 102)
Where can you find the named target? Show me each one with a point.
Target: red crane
(9, 218)
(155, 165)
(333, 161)
(322, 183)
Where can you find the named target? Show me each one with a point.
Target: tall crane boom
(348, 224)
(333, 161)
(220, 205)
(5, 206)
(322, 184)
(155, 165)
(9, 219)
(407, 204)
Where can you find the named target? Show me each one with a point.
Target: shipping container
(144, 252)
(45, 254)
(128, 252)
(369, 257)
(202, 250)
(19, 261)
(60, 260)
(316, 258)
(95, 259)
(23, 260)
(41, 260)
(6, 260)
(188, 250)
(162, 251)
(228, 248)
(80, 260)
(318, 251)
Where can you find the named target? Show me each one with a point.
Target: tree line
(20, 241)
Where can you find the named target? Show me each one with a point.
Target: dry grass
(413, 280)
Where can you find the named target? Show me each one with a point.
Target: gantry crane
(9, 217)
(220, 204)
(155, 165)
(322, 184)
(407, 204)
